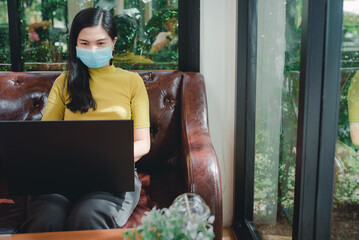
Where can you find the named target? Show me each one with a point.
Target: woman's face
(95, 37)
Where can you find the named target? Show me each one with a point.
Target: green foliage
(347, 176)
(42, 42)
(347, 179)
(157, 22)
(350, 45)
(347, 154)
(4, 44)
(264, 189)
(3, 12)
(46, 45)
(267, 193)
(137, 37)
(127, 27)
(347, 164)
(350, 40)
(288, 142)
(4, 36)
(170, 224)
(293, 35)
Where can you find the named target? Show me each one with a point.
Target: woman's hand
(142, 142)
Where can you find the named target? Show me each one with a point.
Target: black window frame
(17, 64)
(317, 120)
(188, 46)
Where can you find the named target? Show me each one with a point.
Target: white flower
(193, 235)
(211, 219)
(147, 218)
(200, 236)
(210, 230)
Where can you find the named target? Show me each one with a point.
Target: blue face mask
(94, 58)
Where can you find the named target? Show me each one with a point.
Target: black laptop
(67, 157)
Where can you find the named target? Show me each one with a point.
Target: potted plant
(188, 218)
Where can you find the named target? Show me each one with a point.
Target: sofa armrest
(200, 159)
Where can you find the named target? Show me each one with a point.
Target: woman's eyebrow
(98, 40)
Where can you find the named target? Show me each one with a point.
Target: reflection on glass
(148, 35)
(278, 48)
(345, 220)
(4, 36)
(147, 32)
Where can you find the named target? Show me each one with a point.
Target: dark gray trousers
(96, 210)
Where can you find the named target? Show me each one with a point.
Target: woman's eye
(84, 43)
(101, 43)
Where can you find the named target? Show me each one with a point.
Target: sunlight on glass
(278, 60)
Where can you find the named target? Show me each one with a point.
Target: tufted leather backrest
(164, 92)
(23, 96)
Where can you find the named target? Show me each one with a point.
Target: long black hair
(78, 75)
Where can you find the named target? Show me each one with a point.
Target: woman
(91, 89)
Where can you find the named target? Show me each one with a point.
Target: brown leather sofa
(181, 159)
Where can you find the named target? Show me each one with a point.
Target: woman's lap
(96, 210)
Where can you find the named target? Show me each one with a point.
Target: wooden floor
(228, 234)
(110, 234)
(274, 237)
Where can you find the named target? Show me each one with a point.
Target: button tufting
(168, 100)
(148, 77)
(37, 104)
(18, 83)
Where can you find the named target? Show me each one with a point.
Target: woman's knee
(45, 223)
(92, 214)
(46, 213)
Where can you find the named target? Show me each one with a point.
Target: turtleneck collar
(108, 69)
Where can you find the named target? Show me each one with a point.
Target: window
(346, 187)
(278, 48)
(44, 28)
(147, 32)
(286, 109)
(4, 36)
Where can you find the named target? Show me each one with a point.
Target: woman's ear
(114, 42)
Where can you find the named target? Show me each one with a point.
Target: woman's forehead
(93, 34)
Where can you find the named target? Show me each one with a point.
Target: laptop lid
(67, 157)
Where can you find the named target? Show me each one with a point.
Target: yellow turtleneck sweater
(119, 94)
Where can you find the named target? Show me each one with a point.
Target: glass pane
(345, 220)
(44, 34)
(4, 36)
(147, 32)
(279, 31)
